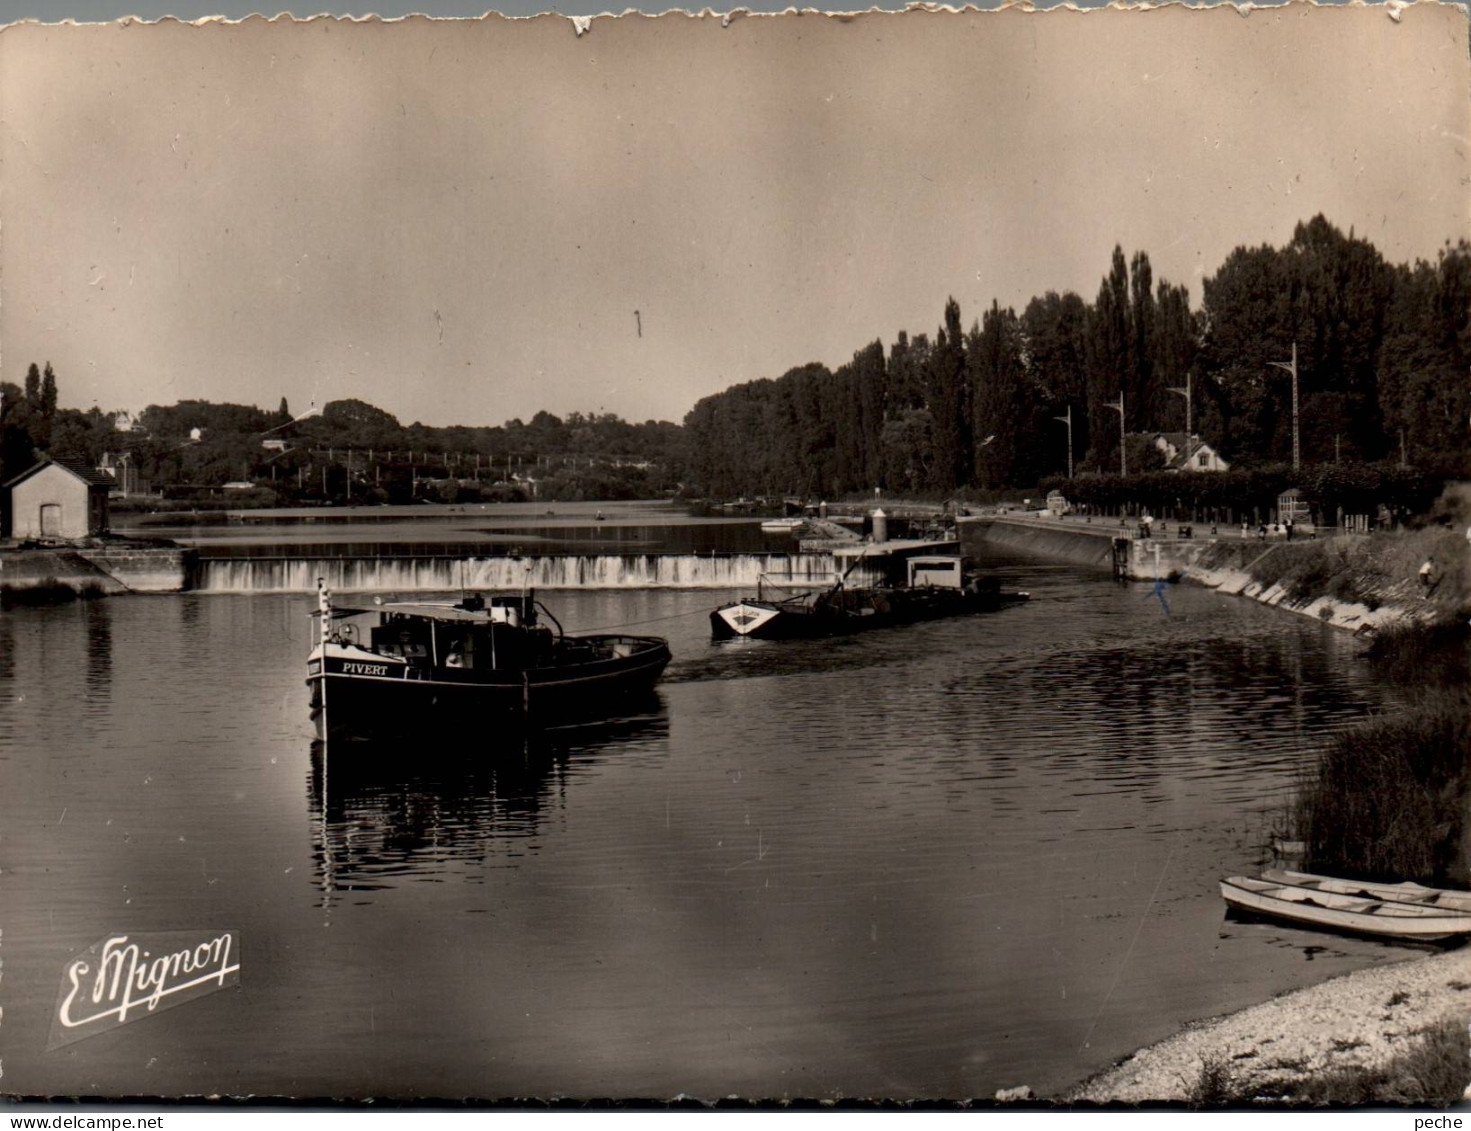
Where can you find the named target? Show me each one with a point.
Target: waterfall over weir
(562, 571)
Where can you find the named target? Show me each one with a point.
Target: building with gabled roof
(56, 499)
(1188, 453)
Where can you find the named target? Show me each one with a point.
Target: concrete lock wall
(147, 570)
(114, 570)
(26, 569)
(1084, 545)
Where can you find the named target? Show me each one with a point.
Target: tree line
(203, 443)
(1382, 350)
(1383, 354)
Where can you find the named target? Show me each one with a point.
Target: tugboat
(938, 587)
(479, 659)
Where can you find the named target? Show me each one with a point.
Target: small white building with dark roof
(1188, 453)
(56, 499)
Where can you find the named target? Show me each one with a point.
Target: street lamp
(1123, 458)
(1068, 420)
(1291, 367)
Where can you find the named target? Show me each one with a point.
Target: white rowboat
(1365, 889)
(1320, 908)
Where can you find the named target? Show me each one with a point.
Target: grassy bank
(1373, 570)
(1388, 799)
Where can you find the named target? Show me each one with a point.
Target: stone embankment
(105, 565)
(1354, 582)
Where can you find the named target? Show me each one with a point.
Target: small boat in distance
(1318, 908)
(479, 660)
(938, 587)
(784, 526)
(1405, 892)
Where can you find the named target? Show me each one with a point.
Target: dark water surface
(932, 861)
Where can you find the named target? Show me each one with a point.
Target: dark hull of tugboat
(415, 702)
(861, 610)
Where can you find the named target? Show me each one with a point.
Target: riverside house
(1188, 453)
(57, 500)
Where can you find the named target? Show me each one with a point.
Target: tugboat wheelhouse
(476, 656)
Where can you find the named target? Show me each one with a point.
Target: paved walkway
(1105, 526)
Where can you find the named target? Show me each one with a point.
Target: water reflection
(448, 806)
(1321, 941)
(7, 651)
(98, 619)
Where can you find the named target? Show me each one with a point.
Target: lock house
(56, 500)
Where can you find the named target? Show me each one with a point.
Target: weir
(552, 571)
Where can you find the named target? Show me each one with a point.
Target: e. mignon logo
(123, 978)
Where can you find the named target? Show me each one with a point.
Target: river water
(924, 862)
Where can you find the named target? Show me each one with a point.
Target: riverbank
(1386, 801)
(1354, 582)
(1355, 1026)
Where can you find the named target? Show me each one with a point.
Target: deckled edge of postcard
(583, 24)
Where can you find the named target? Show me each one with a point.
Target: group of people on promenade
(1287, 526)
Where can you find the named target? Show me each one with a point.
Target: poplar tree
(48, 393)
(1055, 342)
(1109, 362)
(949, 404)
(1004, 407)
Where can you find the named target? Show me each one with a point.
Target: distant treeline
(1383, 355)
(1383, 350)
(201, 443)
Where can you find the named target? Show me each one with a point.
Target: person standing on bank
(1429, 576)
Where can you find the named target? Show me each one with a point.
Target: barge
(938, 586)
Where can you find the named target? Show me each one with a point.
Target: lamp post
(1291, 367)
(1068, 420)
(1185, 392)
(1123, 458)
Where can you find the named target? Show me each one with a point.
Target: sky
(465, 222)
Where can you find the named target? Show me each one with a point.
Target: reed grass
(1387, 799)
(1421, 658)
